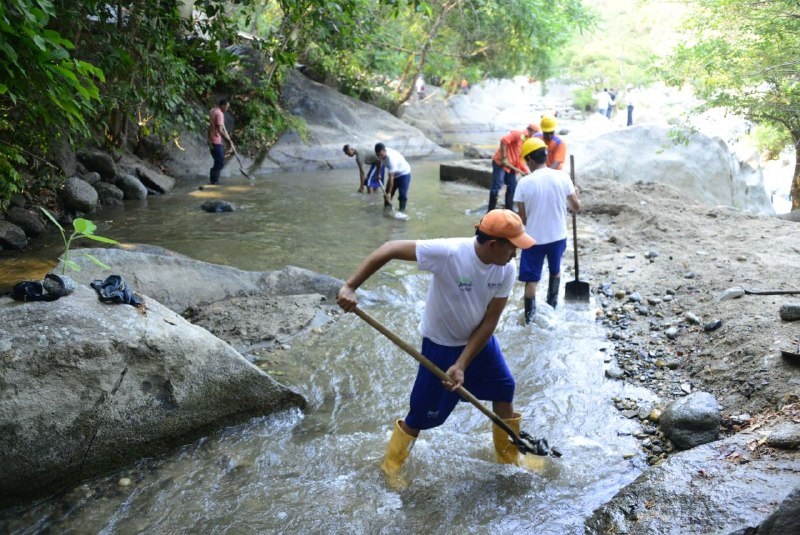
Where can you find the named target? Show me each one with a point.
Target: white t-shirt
(544, 193)
(603, 101)
(395, 163)
(461, 289)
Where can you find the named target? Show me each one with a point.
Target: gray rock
(477, 153)
(701, 491)
(192, 282)
(217, 205)
(30, 221)
(786, 519)
(790, 312)
(692, 420)
(138, 385)
(12, 236)
(614, 373)
(97, 160)
(712, 325)
(692, 318)
(109, 194)
(154, 180)
(78, 196)
(785, 436)
(92, 178)
(476, 171)
(132, 187)
(61, 154)
(672, 333)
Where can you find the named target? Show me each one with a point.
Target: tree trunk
(795, 191)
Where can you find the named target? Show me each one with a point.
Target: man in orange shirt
(556, 147)
(506, 162)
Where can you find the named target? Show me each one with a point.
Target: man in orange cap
(472, 280)
(506, 162)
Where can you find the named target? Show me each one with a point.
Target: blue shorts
(532, 260)
(373, 180)
(487, 378)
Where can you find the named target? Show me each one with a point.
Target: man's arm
(574, 203)
(559, 156)
(387, 192)
(522, 213)
(477, 341)
(224, 132)
(393, 250)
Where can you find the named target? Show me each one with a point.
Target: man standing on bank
(472, 280)
(505, 162)
(216, 133)
(399, 175)
(542, 198)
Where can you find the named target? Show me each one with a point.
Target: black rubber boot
(492, 201)
(553, 286)
(530, 309)
(509, 199)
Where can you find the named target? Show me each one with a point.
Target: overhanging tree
(744, 56)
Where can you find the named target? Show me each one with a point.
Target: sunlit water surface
(318, 471)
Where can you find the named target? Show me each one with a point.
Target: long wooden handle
(574, 217)
(434, 369)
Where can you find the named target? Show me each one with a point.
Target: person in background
(602, 102)
(216, 133)
(629, 100)
(612, 102)
(472, 280)
(369, 180)
(505, 163)
(542, 198)
(556, 147)
(399, 177)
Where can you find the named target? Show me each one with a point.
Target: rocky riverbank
(658, 263)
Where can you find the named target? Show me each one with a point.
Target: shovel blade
(576, 291)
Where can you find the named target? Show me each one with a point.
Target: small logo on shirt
(493, 285)
(464, 284)
(433, 414)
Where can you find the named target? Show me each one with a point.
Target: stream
(318, 471)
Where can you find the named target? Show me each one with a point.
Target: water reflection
(318, 471)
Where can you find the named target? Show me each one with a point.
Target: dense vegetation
(743, 56)
(79, 71)
(116, 72)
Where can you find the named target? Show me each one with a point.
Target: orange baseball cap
(506, 224)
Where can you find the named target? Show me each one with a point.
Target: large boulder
(154, 180)
(78, 195)
(31, 221)
(692, 420)
(132, 187)
(12, 236)
(99, 161)
(714, 488)
(89, 387)
(704, 168)
(334, 119)
(180, 282)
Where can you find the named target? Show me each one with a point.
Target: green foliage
(583, 99)
(82, 228)
(743, 56)
(770, 140)
(43, 87)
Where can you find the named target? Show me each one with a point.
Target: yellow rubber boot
(397, 452)
(506, 451)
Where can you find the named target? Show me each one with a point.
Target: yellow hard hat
(531, 144)
(548, 123)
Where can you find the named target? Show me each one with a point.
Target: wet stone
(712, 325)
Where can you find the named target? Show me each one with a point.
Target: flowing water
(318, 471)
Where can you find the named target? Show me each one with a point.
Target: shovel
(524, 442)
(241, 167)
(575, 291)
(738, 291)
